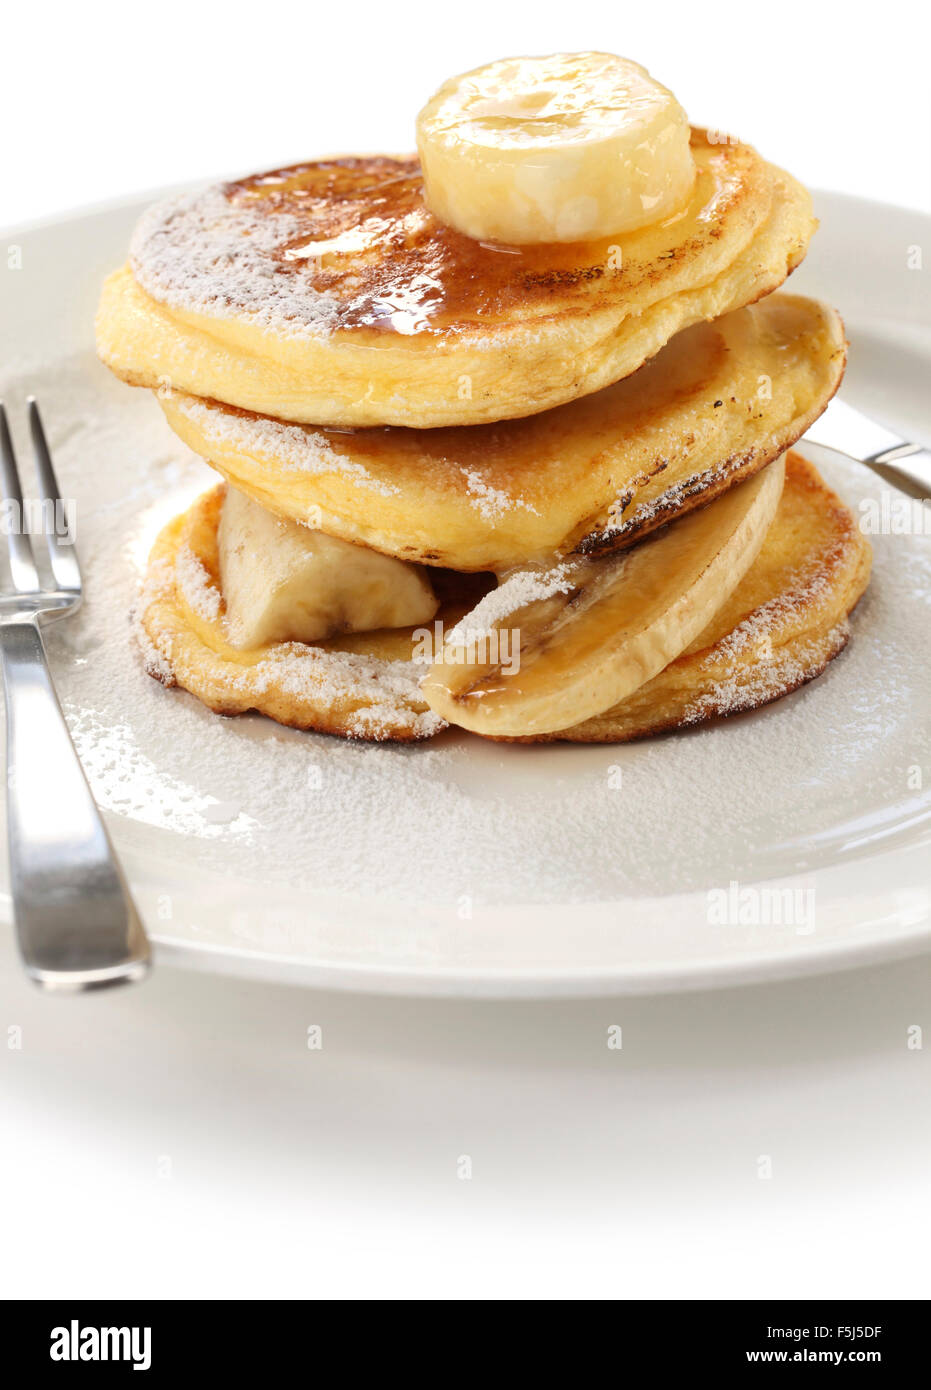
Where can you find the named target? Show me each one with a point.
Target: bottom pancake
(779, 628)
(360, 686)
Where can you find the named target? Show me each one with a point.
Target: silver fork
(76, 924)
(847, 431)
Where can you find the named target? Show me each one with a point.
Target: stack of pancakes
(352, 364)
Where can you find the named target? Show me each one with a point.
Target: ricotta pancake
(779, 628)
(719, 402)
(327, 293)
(360, 685)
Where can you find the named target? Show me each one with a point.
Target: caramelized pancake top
(328, 294)
(349, 245)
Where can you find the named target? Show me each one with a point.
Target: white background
(108, 98)
(181, 1138)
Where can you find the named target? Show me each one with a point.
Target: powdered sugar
(751, 685)
(801, 593)
(490, 501)
(668, 502)
(292, 446)
(307, 450)
(386, 690)
(196, 585)
(159, 582)
(206, 254)
(518, 590)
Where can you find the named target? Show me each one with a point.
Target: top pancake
(328, 294)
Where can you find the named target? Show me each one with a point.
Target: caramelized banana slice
(550, 648)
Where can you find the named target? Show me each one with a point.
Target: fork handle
(75, 921)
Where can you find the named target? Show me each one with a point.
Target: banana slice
(550, 648)
(284, 582)
(572, 147)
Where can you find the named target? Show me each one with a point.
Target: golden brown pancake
(779, 628)
(719, 402)
(328, 293)
(361, 685)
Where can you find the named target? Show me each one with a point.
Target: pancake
(361, 685)
(327, 293)
(780, 627)
(719, 402)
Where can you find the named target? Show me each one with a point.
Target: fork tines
(62, 555)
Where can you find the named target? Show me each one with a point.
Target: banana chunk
(550, 648)
(571, 147)
(284, 582)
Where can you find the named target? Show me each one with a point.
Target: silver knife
(846, 431)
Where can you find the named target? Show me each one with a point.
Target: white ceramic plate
(466, 868)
